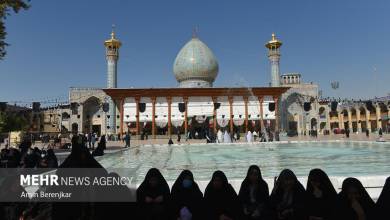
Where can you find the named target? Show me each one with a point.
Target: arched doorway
(345, 119)
(92, 116)
(384, 116)
(334, 120)
(362, 120)
(65, 116)
(75, 128)
(354, 120)
(313, 124)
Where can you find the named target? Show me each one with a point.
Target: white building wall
(161, 109)
(129, 110)
(200, 106)
(224, 109)
(175, 112)
(196, 106)
(147, 114)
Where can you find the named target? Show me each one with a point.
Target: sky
(59, 44)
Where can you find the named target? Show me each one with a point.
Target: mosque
(191, 107)
(288, 104)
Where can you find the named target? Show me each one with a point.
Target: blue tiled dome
(195, 65)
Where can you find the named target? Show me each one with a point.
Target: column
(185, 100)
(328, 120)
(261, 99)
(350, 120)
(121, 103)
(81, 119)
(153, 117)
(359, 125)
(378, 116)
(215, 99)
(246, 113)
(137, 99)
(341, 123)
(387, 121)
(169, 100)
(231, 114)
(368, 122)
(276, 100)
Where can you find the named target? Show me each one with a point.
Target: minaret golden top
(273, 43)
(113, 41)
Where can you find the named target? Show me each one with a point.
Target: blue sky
(58, 44)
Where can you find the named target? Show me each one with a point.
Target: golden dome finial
(274, 42)
(113, 41)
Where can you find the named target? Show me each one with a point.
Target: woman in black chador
(383, 202)
(354, 202)
(220, 200)
(186, 197)
(288, 198)
(321, 195)
(153, 196)
(254, 194)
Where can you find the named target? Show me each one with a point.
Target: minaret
(274, 56)
(112, 54)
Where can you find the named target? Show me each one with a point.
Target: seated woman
(288, 198)
(186, 198)
(354, 202)
(321, 195)
(254, 194)
(153, 196)
(383, 203)
(220, 200)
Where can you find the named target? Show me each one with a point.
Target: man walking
(127, 140)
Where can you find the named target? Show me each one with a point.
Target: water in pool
(336, 158)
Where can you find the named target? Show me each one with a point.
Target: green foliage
(5, 7)
(12, 122)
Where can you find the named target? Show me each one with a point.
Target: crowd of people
(289, 200)
(28, 157)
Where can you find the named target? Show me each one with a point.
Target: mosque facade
(192, 106)
(288, 104)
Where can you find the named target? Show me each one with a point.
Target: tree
(13, 121)
(5, 7)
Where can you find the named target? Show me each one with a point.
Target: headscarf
(178, 185)
(221, 201)
(296, 199)
(249, 136)
(145, 189)
(323, 206)
(189, 196)
(80, 157)
(344, 208)
(262, 191)
(383, 202)
(226, 138)
(52, 161)
(326, 185)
